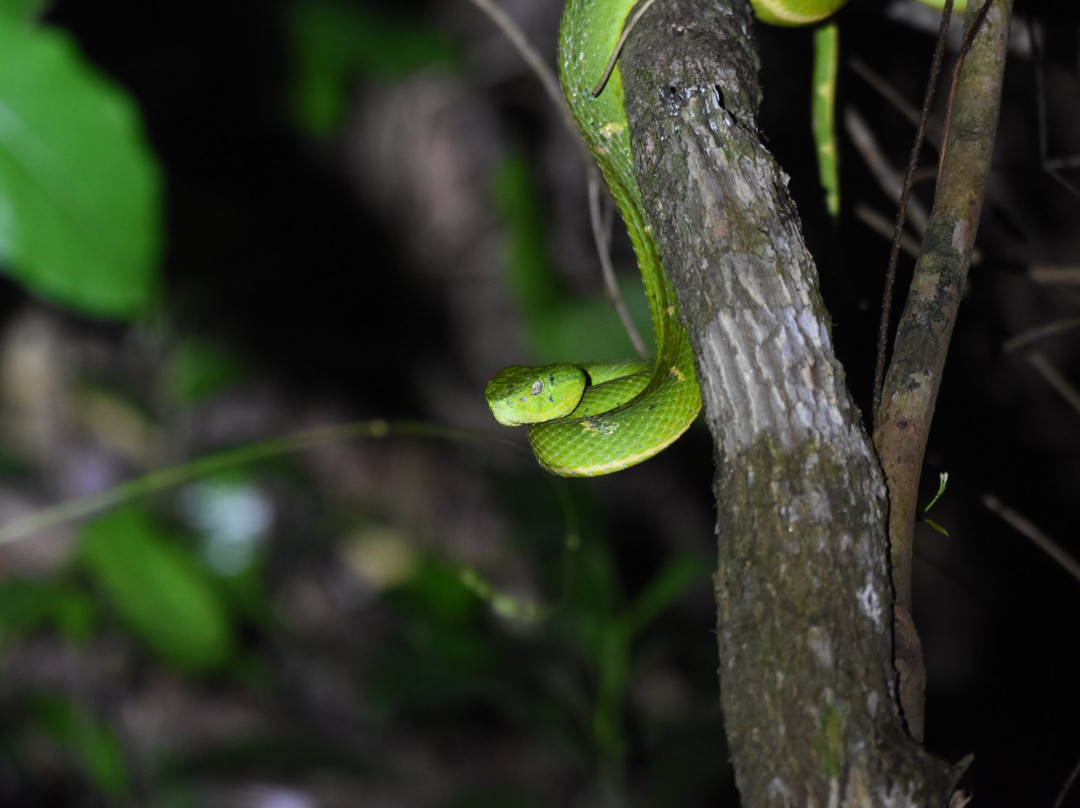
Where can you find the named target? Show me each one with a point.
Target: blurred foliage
(334, 41)
(92, 744)
(180, 587)
(564, 680)
(79, 187)
(560, 326)
(28, 605)
(198, 368)
(162, 593)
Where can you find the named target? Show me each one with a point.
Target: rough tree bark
(804, 599)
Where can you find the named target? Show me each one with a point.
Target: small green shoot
(943, 480)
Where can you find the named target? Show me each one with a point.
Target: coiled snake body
(586, 420)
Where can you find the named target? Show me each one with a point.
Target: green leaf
(80, 192)
(936, 526)
(90, 743)
(159, 590)
(22, 9)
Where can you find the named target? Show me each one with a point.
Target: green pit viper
(597, 418)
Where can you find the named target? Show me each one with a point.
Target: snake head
(520, 395)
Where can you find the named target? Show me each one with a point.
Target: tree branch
(802, 586)
(902, 423)
(922, 339)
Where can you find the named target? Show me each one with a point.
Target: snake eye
(537, 387)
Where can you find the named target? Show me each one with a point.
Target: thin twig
(1036, 334)
(1029, 531)
(1048, 166)
(1059, 163)
(901, 211)
(1068, 785)
(638, 12)
(885, 90)
(880, 224)
(862, 138)
(539, 66)
(550, 83)
(1062, 386)
(601, 229)
(1054, 275)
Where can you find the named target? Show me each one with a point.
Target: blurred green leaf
(529, 266)
(89, 742)
(560, 327)
(80, 193)
(26, 605)
(936, 526)
(198, 368)
(22, 9)
(158, 588)
(334, 41)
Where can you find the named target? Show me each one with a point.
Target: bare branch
(922, 339)
(902, 422)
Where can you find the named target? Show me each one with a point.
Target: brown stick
(911, 384)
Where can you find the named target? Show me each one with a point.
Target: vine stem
(22, 527)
